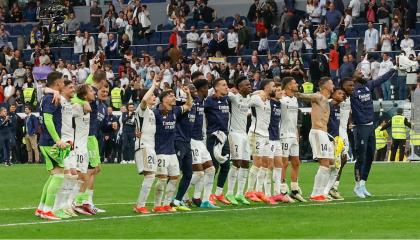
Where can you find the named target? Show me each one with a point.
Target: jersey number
(195, 153)
(161, 163)
(150, 160)
(236, 148)
(80, 158)
(257, 145)
(284, 146)
(324, 147)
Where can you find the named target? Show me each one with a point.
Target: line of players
(210, 128)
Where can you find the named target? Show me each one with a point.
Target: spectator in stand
(253, 10)
(175, 39)
(282, 45)
(321, 37)
(263, 44)
(410, 17)
(35, 36)
(144, 20)
(38, 10)
(124, 44)
(256, 81)
(14, 62)
(102, 37)
(62, 68)
(111, 49)
(120, 22)
(355, 5)
(78, 43)
(244, 36)
(9, 92)
(193, 39)
(383, 12)
(371, 39)
(386, 40)
(254, 66)
(286, 17)
(397, 34)
(407, 45)
(89, 46)
(346, 69)
(95, 14)
(44, 59)
(72, 23)
(333, 17)
(109, 22)
(19, 75)
(370, 10)
(232, 39)
(296, 44)
(348, 19)
(237, 19)
(315, 13)
(384, 67)
(16, 13)
(222, 44)
(4, 37)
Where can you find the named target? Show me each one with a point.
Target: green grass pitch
(392, 213)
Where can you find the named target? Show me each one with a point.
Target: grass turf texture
(392, 213)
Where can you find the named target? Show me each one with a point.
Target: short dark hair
(286, 81)
(217, 81)
(323, 80)
(239, 80)
(67, 82)
(200, 83)
(99, 76)
(344, 80)
(28, 107)
(196, 74)
(53, 77)
(164, 94)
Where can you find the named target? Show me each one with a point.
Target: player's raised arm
(149, 93)
(188, 105)
(314, 97)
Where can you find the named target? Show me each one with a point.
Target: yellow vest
(116, 97)
(398, 127)
(381, 138)
(308, 87)
(27, 95)
(414, 138)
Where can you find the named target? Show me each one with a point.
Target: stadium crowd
(311, 44)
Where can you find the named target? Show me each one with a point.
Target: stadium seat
(164, 37)
(27, 29)
(26, 54)
(17, 30)
(229, 21)
(189, 22)
(66, 53)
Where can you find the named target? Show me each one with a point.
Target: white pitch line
(207, 211)
(129, 203)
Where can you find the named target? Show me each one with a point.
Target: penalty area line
(209, 211)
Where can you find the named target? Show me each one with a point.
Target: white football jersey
(289, 117)
(261, 113)
(239, 112)
(345, 108)
(148, 128)
(67, 131)
(81, 121)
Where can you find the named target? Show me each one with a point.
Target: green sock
(44, 193)
(82, 198)
(55, 185)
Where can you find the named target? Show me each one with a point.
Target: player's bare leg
(253, 172)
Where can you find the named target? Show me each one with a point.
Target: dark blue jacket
(31, 124)
(4, 127)
(361, 100)
(129, 125)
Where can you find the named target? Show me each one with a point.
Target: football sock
(232, 177)
(44, 193)
(284, 188)
(252, 178)
(294, 186)
(277, 180)
(242, 177)
(219, 191)
(331, 179)
(267, 182)
(170, 191)
(145, 190)
(197, 181)
(336, 184)
(321, 180)
(63, 192)
(208, 182)
(74, 192)
(160, 187)
(53, 187)
(90, 196)
(260, 179)
(362, 183)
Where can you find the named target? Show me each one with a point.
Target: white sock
(208, 182)
(252, 178)
(197, 181)
(242, 177)
(219, 191)
(362, 183)
(357, 184)
(62, 194)
(294, 186)
(261, 179)
(321, 180)
(145, 189)
(159, 188)
(232, 177)
(170, 191)
(267, 182)
(336, 184)
(331, 179)
(277, 180)
(90, 193)
(76, 184)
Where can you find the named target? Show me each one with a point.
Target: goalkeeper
(337, 97)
